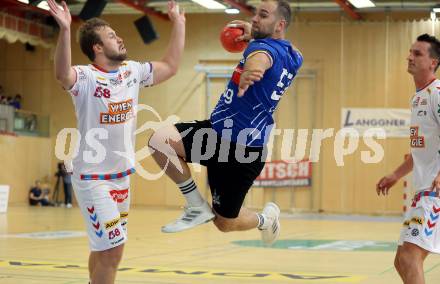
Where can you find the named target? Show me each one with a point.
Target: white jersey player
(105, 106)
(420, 234)
(420, 225)
(425, 135)
(105, 96)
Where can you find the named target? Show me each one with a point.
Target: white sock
(191, 193)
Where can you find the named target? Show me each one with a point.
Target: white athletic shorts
(422, 222)
(104, 205)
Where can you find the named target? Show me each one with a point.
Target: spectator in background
(31, 122)
(9, 100)
(4, 100)
(46, 193)
(16, 102)
(38, 196)
(67, 182)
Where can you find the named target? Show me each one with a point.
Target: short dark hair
(284, 10)
(434, 49)
(88, 36)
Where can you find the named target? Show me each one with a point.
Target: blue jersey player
(231, 144)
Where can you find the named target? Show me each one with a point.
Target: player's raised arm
(63, 67)
(254, 68)
(246, 26)
(167, 67)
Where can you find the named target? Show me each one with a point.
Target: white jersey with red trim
(105, 106)
(425, 135)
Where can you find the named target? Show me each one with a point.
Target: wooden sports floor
(48, 245)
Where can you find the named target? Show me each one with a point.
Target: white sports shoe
(272, 229)
(191, 217)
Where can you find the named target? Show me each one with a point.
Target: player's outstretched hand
(246, 26)
(247, 79)
(385, 183)
(62, 15)
(436, 184)
(173, 12)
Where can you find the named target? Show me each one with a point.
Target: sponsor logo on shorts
(414, 232)
(432, 221)
(215, 198)
(114, 234)
(119, 195)
(417, 220)
(118, 241)
(111, 224)
(94, 219)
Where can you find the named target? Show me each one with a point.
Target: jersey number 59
(276, 94)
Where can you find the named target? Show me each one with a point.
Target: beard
(118, 57)
(262, 34)
(259, 34)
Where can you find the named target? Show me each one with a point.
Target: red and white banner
(14, 29)
(284, 173)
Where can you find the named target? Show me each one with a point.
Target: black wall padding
(92, 9)
(146, 29)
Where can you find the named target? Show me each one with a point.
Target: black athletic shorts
(232, 168)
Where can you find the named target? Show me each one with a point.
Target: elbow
(173, 71)
(60, 78)
(172, 66)
(63, 81)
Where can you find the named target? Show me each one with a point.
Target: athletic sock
(262, 225)
(191, 193)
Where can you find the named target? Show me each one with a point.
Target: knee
(223, 225)
(396, 262)
(159, 141)
(404, 261)
(111, 257)
(155, 139)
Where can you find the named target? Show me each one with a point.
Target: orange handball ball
(227, 38)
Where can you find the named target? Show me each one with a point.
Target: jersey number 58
(102, 92)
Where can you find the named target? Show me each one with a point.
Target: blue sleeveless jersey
(248, 120)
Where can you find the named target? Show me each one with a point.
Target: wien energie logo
(118, 112)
